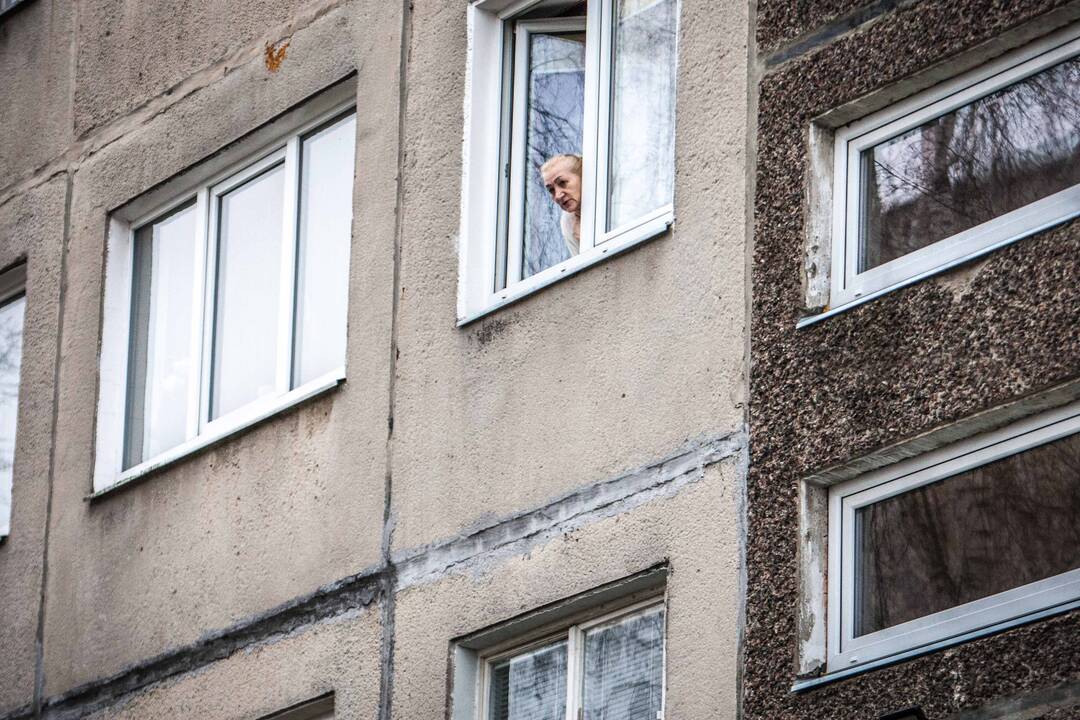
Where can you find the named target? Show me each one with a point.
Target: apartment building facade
(487, 359)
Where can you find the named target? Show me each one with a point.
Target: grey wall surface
(458, 477)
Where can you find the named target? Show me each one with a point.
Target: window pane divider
(198, 304)
(289, 249)
(575, 672)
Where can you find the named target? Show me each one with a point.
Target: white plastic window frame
(109, 472)
(984, 615)
(849, 286)
(575, 657)
(493, 179)
(12, 289)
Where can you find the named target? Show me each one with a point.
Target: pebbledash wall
(955, 354)
(575, 445)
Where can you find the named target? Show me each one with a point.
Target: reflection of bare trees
(990, 157)
(555, 117)
(984, 531)
(11, 331)
(530, 686)
(624, 670)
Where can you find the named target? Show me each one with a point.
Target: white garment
(566, 224)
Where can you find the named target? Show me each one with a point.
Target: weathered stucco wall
(282, 671)
(271, 513)
(920, 357)
(214, 586)
(607, 370)
(693, 529)
(36, 85)
(32, 229)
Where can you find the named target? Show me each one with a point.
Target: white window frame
(986, 614)
(848, 285)
(201, 431)
(12, 288)
(574, 636)
(491, 215)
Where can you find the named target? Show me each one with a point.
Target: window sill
(1071, 201)
(652, 228)
(810, 683)
(242, 421)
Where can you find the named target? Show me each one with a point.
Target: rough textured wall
(604, 371)
(695, 532)
(922, 356)
(270, 513)
(31, 231)
(35, 85)
(782, 21)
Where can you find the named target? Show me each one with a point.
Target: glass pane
(248, 288)
(624, 669)
(975, 534)
(997, 154)
(326, 188)
(641, 173)
(11, 333)
(556, 104)
(530, 686)
(159, 360)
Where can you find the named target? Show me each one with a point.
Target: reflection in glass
(159, 360)
(11, 335)
(975, 534)
(326, 186)
(556, 102)
(624, 669)
(248, 288)
(642, 153)
(992, 156)
(530, 686)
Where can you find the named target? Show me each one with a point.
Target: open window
(226, 301)
(570, 140)
(958, 170)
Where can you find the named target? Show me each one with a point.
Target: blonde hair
(576, 159)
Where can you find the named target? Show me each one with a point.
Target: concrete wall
(989, 333)
(458, 477)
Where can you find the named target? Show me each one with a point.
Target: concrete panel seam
(511, 535)
(826, 34)
(39, 644)
(569, 511)
(386, 651)
(334, 600)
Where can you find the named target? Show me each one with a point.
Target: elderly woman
(562, 178)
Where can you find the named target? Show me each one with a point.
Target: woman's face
(564, 185)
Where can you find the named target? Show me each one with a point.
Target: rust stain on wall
(275, 55)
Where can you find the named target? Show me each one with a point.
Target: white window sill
(974, 255)
(648, 230)
(237, 422)
(836, 675)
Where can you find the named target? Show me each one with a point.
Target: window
(955, 172)
(964, 539)
(228, 303)
(570, 140)
(611, 668)
(12, 312)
